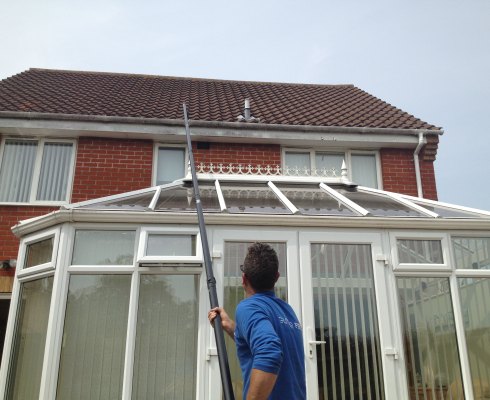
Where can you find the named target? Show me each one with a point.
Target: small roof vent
(247, 117)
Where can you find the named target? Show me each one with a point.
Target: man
(267, 333)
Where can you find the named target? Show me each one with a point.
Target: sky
(430, 58)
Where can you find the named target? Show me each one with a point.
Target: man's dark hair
(261, 266)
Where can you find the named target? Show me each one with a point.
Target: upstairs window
(169, 164)
(35, 170)
(362, 167)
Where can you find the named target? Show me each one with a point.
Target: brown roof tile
(144, 96)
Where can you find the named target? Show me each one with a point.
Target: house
(109, 298)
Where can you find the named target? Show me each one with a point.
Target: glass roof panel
(447, 212)
(311, 200)
(379, 205)
(252, 198)
(181, 199)
(139, 202)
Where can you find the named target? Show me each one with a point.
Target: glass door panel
(235, 253)
(431, 350)
(348, 356)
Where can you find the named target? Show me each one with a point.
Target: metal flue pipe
(211, 281)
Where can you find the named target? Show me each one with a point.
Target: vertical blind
(55, 170)
(165, 358)
(170, 164)
(16, 170)
(94, 338)
(27, 355)
(349, 362)
(364, 170)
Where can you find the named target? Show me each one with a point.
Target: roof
(92, 94)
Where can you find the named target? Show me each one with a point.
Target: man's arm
(226, 322)
(261, 385)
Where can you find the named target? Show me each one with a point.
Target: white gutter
(421, 143)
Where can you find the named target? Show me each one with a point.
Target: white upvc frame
(145, 231)
(156, 147)
(348, 153)
(443, 269)
(37, 170)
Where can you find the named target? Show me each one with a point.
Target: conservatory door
(349, 349)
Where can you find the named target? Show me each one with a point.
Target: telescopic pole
(211, 281)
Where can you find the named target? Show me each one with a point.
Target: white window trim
(159, 145)
(347, 158)
(145, 231)
(408, 268)
(37, 170)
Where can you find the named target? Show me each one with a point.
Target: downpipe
(422, 142)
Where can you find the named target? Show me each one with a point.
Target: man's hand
(261, 385)
(226, 322)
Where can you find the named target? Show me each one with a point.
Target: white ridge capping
(398, 197)
(221, 199)
(283, 198)
(349, 203)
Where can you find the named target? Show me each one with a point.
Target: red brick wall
(398, 172)
(253, 154)
(110, 166)
(10, 216)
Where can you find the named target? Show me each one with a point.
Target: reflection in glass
(181, 199)
(235, 253)
(474, 295)
(103, 247)
(329, 164)
(471, 252)
(29, 340)
(349, 362)
(431, 349)
(138, 202)
(297, 163)
(252, 199)
(414, 251)
(171, 245)
(379, 205)
(165, 357)
(94, 337)
(39, 253)
(311, 200)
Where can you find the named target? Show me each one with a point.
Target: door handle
(314, 343)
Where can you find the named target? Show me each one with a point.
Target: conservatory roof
(272, 195)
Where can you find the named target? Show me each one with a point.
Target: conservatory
(110, 298)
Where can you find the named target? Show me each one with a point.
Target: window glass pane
(182, 199)
(103, 248)
(297, 163)
(165, 358)
(16, 170)
(171, 245)
(471, 253)
(94, 337)
(474, 295)
(55, 170)
(170, 164)
(364, 170)
(447, 212)
(329, 164)
(411, 251)
(349, 363)
(39, 253)
(431, 349)
(29, 340)
(235, 253)
(139, 202)
(258, 199)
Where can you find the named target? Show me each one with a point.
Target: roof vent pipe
(246, 111)
(421, 143)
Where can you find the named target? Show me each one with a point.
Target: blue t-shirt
(268, 337)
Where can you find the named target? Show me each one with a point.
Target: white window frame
(347, 158)
(418, 268)
(37, 169)
(145, 231)
(159, 145)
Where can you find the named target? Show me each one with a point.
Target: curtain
(170, 165)
(55, 169)
(364, 170)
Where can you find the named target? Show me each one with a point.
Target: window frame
(41, 142)
(159, 145)
(348, 153)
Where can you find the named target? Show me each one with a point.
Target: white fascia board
(245, 178)
(294, 221)
(173, 132)
(400, 199)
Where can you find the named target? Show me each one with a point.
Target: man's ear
(277, 276)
